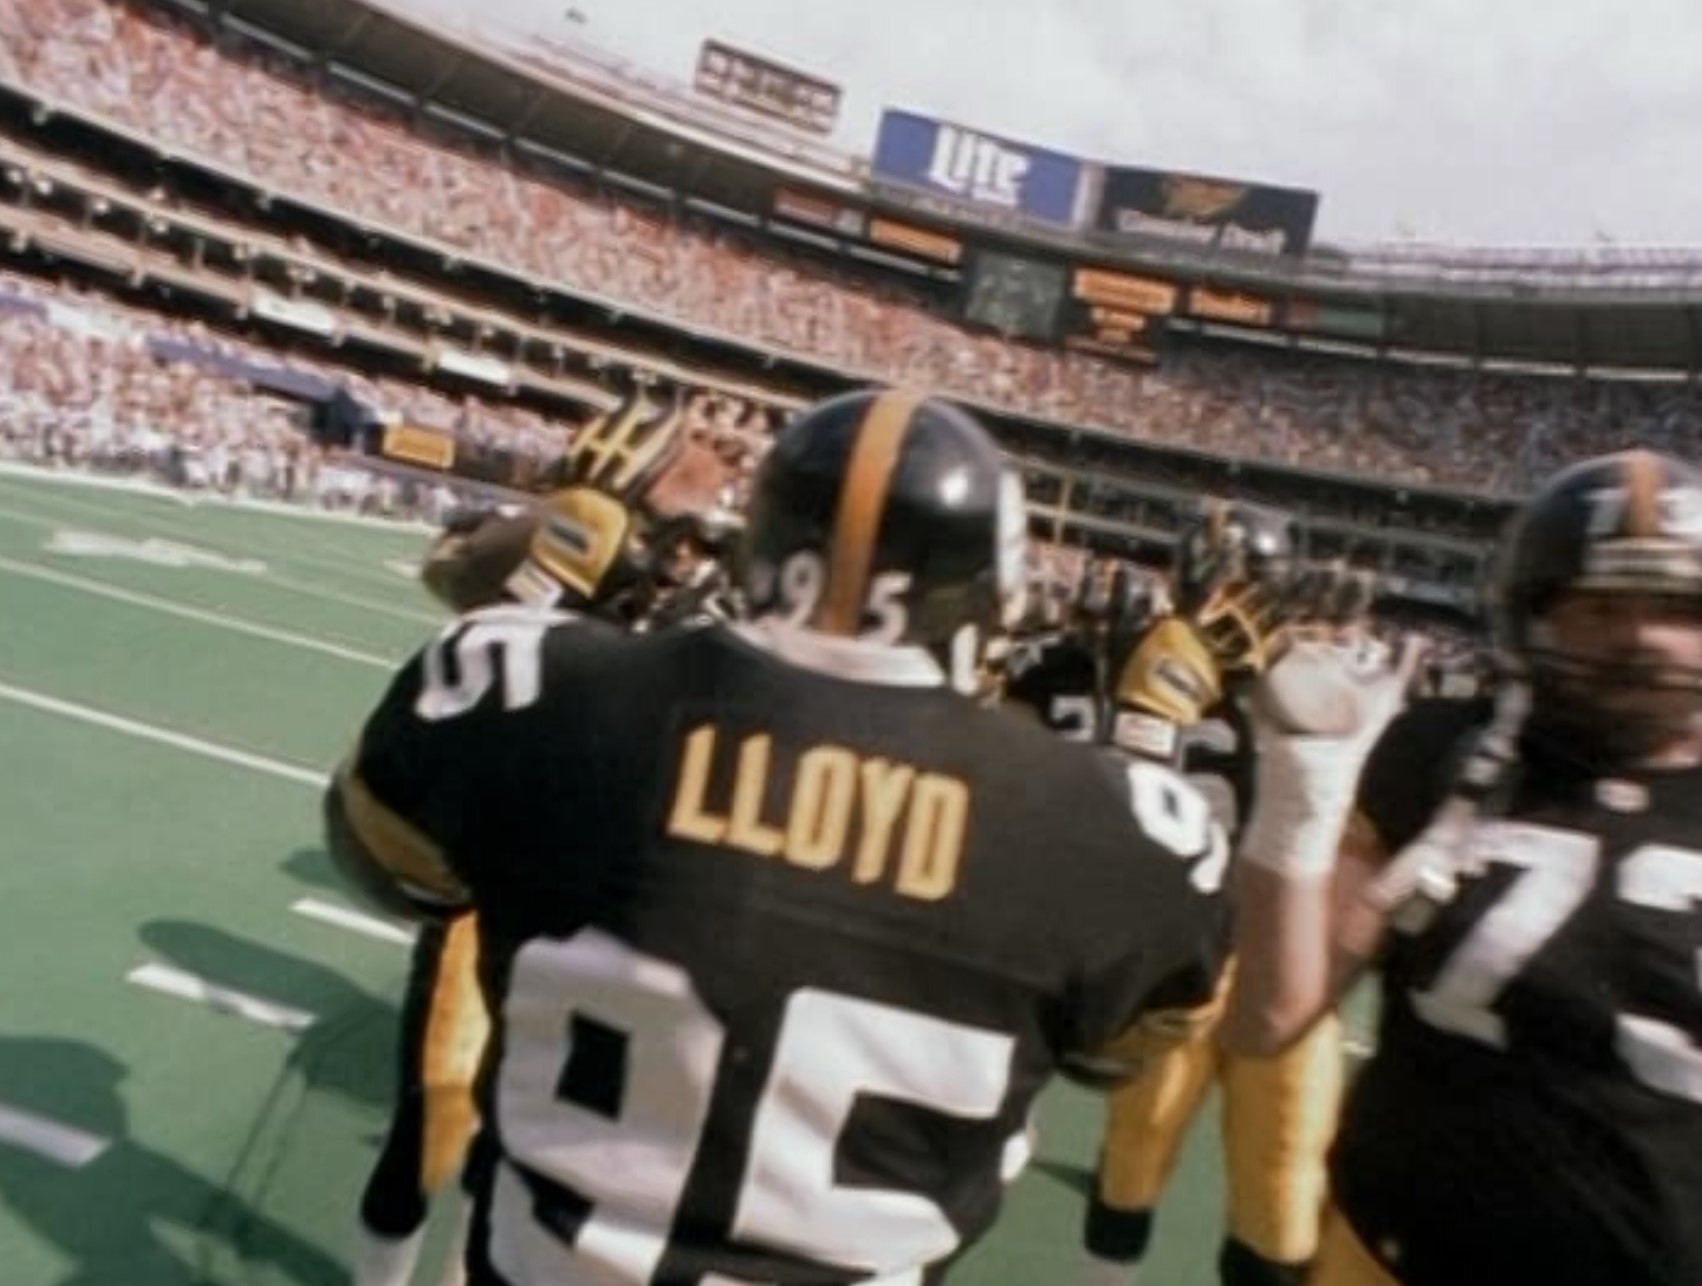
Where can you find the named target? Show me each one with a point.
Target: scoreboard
(1056, 295)
(1018, 296)
(1114, 314)
(1122, 314)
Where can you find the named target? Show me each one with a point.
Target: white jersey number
(1557, 870)
(621, 1120)
(1173, 812)
(513, 636)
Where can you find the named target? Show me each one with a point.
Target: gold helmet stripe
(1642, 499)
(862, 499)
(618, 451)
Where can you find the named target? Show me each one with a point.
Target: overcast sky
(1480, 122)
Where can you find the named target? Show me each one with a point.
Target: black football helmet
(891, 516)
(1232, 575)
(1230, 542)
(1628, 523)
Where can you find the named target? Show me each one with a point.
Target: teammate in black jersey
(1059, 672)
(781, 934)
(1533, 1112)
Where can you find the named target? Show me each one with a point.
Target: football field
(197, 1022)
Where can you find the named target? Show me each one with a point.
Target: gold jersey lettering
(933, 837)
(819, 822)
(878, 820)
(691, 818)
(886, 785)
(746, 829)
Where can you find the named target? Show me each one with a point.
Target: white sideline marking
(197, 499)
(172, 981)
(270, 577)
(166, 607)
(164, 736)
(355, 921)
(54, 1140)
(76, 542)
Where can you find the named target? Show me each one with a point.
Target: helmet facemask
(1614, 700)
(1597, 605)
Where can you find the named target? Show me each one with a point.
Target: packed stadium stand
(491, 239)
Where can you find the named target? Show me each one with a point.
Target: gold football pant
(444, 1030)
(1279, 1116)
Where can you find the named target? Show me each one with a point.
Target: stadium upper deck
(1606, 310)
(345, 136)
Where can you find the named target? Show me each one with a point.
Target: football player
(774, 974)
(1237, 585)
(1055, 669)
(1529, 884)
(623, 454)
(691, 566)
(585, 548)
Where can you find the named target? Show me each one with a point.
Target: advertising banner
(1206, 211)
(976, 169)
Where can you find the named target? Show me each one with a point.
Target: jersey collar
(856, 660)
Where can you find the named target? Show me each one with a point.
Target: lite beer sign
(975, 170)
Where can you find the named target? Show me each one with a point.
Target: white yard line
(269, 577)
(171, 981)
(163, 736)
(182, 525)
(196, 499)
(166, 607)
(52, 1140)
(342, 917)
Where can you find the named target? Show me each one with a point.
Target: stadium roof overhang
(594, 123)
(601, 126)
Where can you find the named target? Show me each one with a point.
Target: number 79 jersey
(1534, 1109)
(778, 953)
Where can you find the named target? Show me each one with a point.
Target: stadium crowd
(250, 110)
(87, 381)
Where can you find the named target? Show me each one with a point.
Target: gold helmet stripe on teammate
(862, 498)
(623, 451)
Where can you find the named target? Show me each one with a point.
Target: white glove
(1316, 716)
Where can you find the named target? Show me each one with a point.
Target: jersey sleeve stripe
(393, 842)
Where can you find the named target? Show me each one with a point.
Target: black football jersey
(1534, 1109)
(777, 958)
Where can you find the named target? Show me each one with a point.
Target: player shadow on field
(312, 865)
(350, 1048)
(103, 1214)
(1079, 1179)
